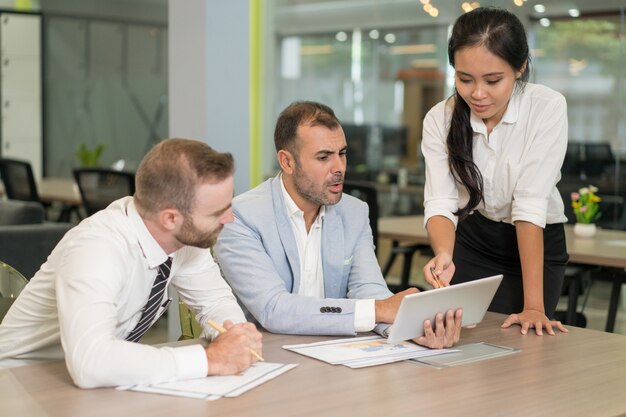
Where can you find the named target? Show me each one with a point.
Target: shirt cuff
(364, 315)
(191, 361)
(533, 210)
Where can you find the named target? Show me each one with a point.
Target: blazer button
(323, 310)
(338, 310)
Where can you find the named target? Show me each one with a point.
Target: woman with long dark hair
(493, 155)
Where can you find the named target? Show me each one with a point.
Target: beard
(190, 235)
(307, 189)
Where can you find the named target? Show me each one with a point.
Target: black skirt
(484, 248)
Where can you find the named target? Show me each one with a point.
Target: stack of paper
(215, 387)
(360, 352)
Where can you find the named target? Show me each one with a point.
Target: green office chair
(190, 329)
(11, 284)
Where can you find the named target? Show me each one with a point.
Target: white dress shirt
(520, 160)
(311, 271)
(89, 296)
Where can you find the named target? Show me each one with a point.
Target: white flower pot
(585, 230)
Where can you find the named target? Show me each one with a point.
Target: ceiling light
(341, 36)
(574, 12)
(544, 21)
(374, 34)
(434, 12)
(390, 38)
(540, 8)
(518, 3)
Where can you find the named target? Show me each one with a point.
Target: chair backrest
(367, 192)
(99, 187)
(11, 284)
(189, 327)
(612, 212)
(573, 162)
(18, 179)
(599, 159)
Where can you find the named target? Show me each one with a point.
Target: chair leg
(572, 299)
(406, 270)
(390, 259)
(618, 280)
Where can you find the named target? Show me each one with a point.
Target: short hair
(168, 175)
(300, 113)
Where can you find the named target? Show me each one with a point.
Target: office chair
(599, 159)
(18, 179)
(11, 284)
(99, 187)
(189, 326)
(573, 162)
(367, 192)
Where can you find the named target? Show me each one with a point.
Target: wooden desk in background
(63, 190)
(607, 248)
(581, 373)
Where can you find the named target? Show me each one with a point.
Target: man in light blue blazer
(299, 254)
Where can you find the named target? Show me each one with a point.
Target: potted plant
(89, 157)
(586, 205)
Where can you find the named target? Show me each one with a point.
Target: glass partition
(384, 77)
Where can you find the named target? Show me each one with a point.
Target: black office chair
(573, 162)
(18, 179)
(19, 184)
(599, 159)
(99, 187)
(367, 192)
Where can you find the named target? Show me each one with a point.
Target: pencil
(436, 277)
(223, 330)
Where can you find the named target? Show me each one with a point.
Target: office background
(121, 73)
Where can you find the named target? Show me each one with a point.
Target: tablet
(473, 297)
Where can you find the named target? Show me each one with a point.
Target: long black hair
(502, 33)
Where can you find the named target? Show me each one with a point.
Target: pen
(223, 330)
(436, 277)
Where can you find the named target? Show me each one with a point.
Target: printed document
(215, 387)
(359, 352)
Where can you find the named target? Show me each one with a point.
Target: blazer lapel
(332, 253)
(285, 232)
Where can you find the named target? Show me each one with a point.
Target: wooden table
(63, 190)
(607, 248)
(581, 373)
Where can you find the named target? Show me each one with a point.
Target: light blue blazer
(259, 259)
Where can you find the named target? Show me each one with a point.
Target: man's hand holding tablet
(443, 333)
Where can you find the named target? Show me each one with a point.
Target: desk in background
(581, 373)
(63, 190)
(607, 248)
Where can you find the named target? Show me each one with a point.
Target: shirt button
(322, 309)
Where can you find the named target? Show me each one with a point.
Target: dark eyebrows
(326, 152)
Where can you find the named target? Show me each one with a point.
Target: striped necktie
(154, 302)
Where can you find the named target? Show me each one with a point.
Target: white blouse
(520, 161)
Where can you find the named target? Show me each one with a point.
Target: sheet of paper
(359, 352)
(215, 387)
